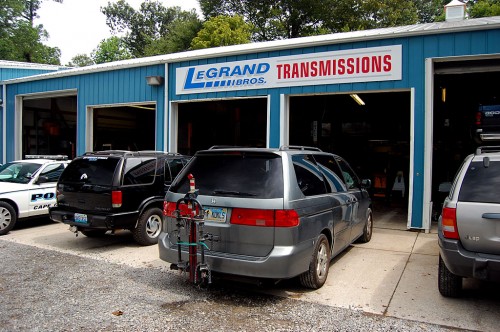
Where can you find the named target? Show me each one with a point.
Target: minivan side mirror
(366, 183)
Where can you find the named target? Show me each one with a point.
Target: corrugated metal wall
(415, 51)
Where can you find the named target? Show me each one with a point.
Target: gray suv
(469, 226)
(271, 213)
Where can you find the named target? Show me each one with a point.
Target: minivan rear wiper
(232, 192)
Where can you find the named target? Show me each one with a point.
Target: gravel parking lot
(45, 290)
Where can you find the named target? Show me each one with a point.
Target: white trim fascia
(89, 128)
(428, 144)
(284, 116)
(173, 126)
(412, 157)
(49, 94)
(18, 121)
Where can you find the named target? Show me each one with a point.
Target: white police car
(28, 188)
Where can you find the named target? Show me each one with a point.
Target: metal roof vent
(455, 11)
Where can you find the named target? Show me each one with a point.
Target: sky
(78, 26)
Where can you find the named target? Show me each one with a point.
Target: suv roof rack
(299, 147)
(46, 156)
(215, 147)
(487, 149)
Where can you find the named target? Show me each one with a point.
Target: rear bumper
(282, 263)
(468, 264)
(96, 221)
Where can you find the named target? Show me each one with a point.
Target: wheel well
(329, 236)
(11, 203)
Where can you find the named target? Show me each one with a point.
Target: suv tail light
(116, 198)
(264, 218)
(449, 222)
(478, 118)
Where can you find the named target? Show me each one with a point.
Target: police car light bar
(51, 157)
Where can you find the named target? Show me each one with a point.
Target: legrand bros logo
(225, 76)
(346, 66)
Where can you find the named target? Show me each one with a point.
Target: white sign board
(346, 66)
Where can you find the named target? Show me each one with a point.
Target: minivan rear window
(90, 170)
(481, 183)
(235, 174)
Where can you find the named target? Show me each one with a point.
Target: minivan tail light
(478, 118)
(116, 198)
(264, 218)
(449, 223)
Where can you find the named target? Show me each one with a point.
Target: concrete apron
(395, 275)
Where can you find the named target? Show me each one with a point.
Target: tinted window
(350, 178)
(238, 174)
(139, 171)
(53, 172)
(481, 183)
(309, 178)
(91, 170)
(174, 166)
(328, 165)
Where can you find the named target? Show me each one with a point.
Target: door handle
(491, 215)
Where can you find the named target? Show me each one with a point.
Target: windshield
(18, 172)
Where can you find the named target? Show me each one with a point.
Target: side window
(172, 168)
(328, 165)
(350, 178)
(52, 172)
(139, 171)
(309, 178)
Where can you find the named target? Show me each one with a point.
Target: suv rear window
(91, 170)
(479, 182)
(238, 174)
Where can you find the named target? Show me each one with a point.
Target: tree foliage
(484, 8)
(20, 39)
(111, 49)
(223, 31)
(149, 28)
(81, 60)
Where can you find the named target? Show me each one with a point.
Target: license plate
(80, 218)
(215, 214)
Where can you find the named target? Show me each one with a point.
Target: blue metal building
(412, 71)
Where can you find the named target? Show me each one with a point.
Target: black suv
(111, 190)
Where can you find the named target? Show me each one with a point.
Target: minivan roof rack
(299, 147)
(487, 149)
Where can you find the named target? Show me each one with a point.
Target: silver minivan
(271, 213)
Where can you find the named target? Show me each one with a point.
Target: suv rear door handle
(491, 216)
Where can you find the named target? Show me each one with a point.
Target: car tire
(8, 217)
(93, 232)
(368, 229)
(317, 274)
(148, 227)
(450, 285)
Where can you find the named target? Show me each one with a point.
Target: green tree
(81, 60)
(429, 10)
(20, 39)
(148, 25)
(223, 31)
(484, 8)
(297, 18)
(111, 49)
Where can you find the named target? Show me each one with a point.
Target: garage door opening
(370, 130)
(49, 126)
(124, 127)
(460, 89)
(237, 122)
